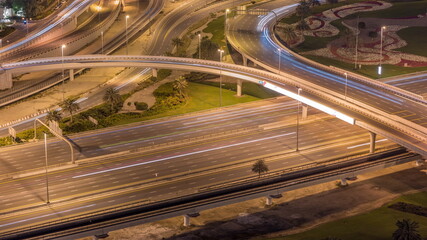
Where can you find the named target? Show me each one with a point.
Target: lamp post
(345, 89)
(62, 62)
(220, 77)
(280, 56)
(99, 13)
(357, 43)
(127, 49)
(299, 103)
(225, 25)
(102, 42)
(200, 54)
(46, 166)
(381, 51)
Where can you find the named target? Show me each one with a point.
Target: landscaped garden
(379, 224)
(360, 35)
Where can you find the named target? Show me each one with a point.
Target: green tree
(53, 115)
(406, 230)
(113, 98)
(180, 85)
(260, 167)
(302, 25)
(209, 49)
(289, 34)
(303, 9)
(70, 106)
(177, 42)
(314, 3)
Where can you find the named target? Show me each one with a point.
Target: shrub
(362, 25)
(129, 103)
(141, 106)
(79, 126)
(373, 34)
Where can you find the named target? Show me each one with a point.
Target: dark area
(409, 208)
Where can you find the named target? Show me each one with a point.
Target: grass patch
(378, 224)
(216, 28)
(398, 10)
(201, 97)
(367, 70)
(416, 39)
(248, 88)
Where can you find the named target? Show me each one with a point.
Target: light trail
(364, 144)
(182, 155)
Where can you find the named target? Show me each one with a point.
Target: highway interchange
(180, 165)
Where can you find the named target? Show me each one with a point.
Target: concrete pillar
(186, 220)
(154, 72)
(71, 75)
(268, 201)
(304, 111)
(239, 87)
(5, 80)
(245, 61)
(373, 136)
(343, 182)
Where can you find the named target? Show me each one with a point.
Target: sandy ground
(297, 211)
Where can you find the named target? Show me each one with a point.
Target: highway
(164, 173)
(245, 35)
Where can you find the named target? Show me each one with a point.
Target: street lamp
(299, 103)
(381, 51)
(225, 25)
(102, 42)
(357, 43)
(220, 77)
(127, 50)
(46, 167)
(99, 8)
(62, 62)
(200, 54)
(280, 53)
(345, 90)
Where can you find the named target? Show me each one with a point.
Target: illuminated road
(166, 173)
(243, 34)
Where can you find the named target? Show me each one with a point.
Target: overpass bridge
(351, 110)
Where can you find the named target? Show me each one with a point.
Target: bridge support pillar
(245, 61)
(269, 199)
(5, 80)
(372, 136)
(71, 75)
(239, 87)
(187, 218)
(304, 111)
(154, 72)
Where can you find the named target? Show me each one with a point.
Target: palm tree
(406, 230)
(112, 97)
(289, 34)
(177, 42)
(70, 106)
(314, 3)
(259, 167)
(180, 84)
(53, 115)
(303, 9)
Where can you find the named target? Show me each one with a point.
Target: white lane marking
(364, 144)
(182, 155)
(47, 215)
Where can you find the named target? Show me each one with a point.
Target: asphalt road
(173, 171)
(244, 34)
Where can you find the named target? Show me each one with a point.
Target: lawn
(367, 70)
(398, 10)
(216, 28)
(416, 39)
(378, 224)
(201, 97)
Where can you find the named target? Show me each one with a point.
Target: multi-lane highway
(161, 173)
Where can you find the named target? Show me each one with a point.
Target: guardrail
(115, 216)
(250, 74)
